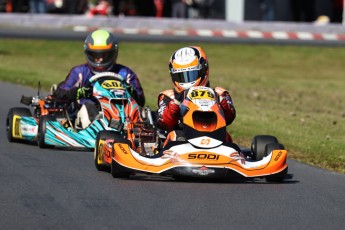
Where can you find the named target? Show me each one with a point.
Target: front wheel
(118, 171)
(279, 177)
(42, 130)
(13, 122)
(102, 135)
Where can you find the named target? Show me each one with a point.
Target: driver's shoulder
(121, 68)
(81, 67)
(125, 71)
(220, 90)
(169, 93)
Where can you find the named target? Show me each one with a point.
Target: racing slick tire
(278, 177)
(102, 135)
(117, 170)
(259, 144)
(42, 130)
(17, 111)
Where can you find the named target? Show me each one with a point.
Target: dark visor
(105, 55)
(185, 77)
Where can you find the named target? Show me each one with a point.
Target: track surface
(54, 189)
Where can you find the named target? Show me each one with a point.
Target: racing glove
(84, 92)
(132, 92)
(228, 108)
(130, 89)
(171, 115)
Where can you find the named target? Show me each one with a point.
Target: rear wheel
(12, 114)
(259, 144)
(102, 135)
(273, 146)
(42, 130)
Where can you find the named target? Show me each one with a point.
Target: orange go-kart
(201, 149)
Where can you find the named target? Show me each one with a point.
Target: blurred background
(317, 11)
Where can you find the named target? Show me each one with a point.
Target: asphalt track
(55, 189)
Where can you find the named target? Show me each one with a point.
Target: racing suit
(79, 77)
(169, 110)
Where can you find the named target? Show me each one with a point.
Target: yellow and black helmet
(101, 50)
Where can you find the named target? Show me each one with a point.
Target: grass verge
(293, 92)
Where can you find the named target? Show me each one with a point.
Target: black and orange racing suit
(169, 110)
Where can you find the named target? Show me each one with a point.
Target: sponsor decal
(106, 151)
(203, 171)
(235, 156)
(205, 141)
(28, 129)
(278, 156)
(123, 149)
(203, 156)
(112, 84)
(170, 154)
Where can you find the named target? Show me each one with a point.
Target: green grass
(293, 92)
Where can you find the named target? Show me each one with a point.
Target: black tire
(118, 171)
(42, 130)
(277, 178)
(259, 144)
(102, 135)
(273, 146)
(18, 111)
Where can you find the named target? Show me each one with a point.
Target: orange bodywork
(188, 119)
(45, 111)
(210, 155)
(130, 109)
(125, 156)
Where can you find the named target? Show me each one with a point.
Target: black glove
(84, 92)
(130, 89)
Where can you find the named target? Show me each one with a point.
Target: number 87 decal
(202, 94)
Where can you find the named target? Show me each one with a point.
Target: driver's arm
(226, 104)
(168, 112)
(68, 89)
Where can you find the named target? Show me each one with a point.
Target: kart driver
(101, 51)
(188, 67)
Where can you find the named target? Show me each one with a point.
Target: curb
(243, 34)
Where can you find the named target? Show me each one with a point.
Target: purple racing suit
(79, 77)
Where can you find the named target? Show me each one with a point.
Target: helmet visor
(100, 57)
(186, 76)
